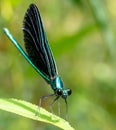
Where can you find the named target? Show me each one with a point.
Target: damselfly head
(66, 92)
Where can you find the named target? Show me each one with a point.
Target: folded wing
(36, 43)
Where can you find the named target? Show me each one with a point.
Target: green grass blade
(101, 17)
(29, 110)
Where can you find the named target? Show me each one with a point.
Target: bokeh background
(82, 37)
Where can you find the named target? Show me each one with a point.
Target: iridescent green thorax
(57, 86)
(57, 83)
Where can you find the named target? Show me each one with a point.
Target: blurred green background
(82, 37)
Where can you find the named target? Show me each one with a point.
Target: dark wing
(36, 43)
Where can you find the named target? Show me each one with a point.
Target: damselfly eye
(59, 92)
(69, 91)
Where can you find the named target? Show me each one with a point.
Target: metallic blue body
(39, 54)
(56, 83)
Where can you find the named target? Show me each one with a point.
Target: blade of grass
(29, 110)
(100, 13)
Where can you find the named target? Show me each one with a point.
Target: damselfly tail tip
(5, 30)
